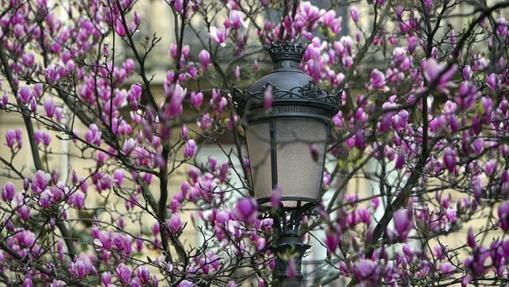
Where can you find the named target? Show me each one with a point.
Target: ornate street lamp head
(286, 142)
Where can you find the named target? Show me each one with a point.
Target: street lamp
(286, 144)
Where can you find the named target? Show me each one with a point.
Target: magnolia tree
(424, 116)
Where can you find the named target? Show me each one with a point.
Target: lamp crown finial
(286, 51)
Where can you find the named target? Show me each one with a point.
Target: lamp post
(286, 144)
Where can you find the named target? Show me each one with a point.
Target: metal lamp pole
(278, 139)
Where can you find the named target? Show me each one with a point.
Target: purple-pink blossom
(403, 222)
(174, 223)
(331, 241)
(189, 149)
(176, 96)
(204, 59)
(81, 267)
(218, 35)
(437, 72)
(93, 135)
(354, 13)
(8, 192)
(503, 216)
(25, 94)
(123, 273)
(365, 270)
(377, 80)
(246, 210)
(196, 99)
(450, 159)
(49, 107)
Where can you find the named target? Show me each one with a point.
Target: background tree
(424, 117)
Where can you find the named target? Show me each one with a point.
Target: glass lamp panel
(300, 155)
(258, 145)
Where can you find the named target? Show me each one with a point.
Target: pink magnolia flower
(49, 107)
(119, 28)
(4, 101)
(314, 68)
(77, 200)
(134, 96)
(174, 223)
(503, 216)
(222, 217)
(428, 4)
(143, 274)
(122, 242)
(327, 179)
(25, 94)
(204, 59)
(491, 167)
(466, 73)
(123, 273)
(42, 137)
(8, 192)
(246, 210)
(196, 99)
(175, 108)
(401, 59)
(476, 264)
(155, 228)
(40, 181)
(184, 132)
(106, 279)
(432, 70)
(218, 35)
(354, 13)
(81, 267)
(471, 238)
(24, 212)
(173, 50)
(330, 21)
(189, 149)
(45, 199)
(412, 42)
(186, 283)
(377, 80)
(275, 198)
(487, 105)
(28, 59)
(450, 159)
(261, 243)
(446, 268)
(403, 223)
(12, 137)
(118, 177)
(25, 238)
(365, 269)
(492, 82)
(467, 95)
(128, 146)
(235, 20)
(93, 135)
(331, 241)
(27, 282)
(364, 215)
(178, 5)
(104, 239)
